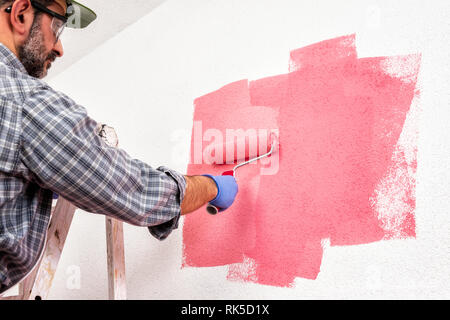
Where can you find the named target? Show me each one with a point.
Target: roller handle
(213, 209)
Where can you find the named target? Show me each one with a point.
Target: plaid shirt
(49, 144)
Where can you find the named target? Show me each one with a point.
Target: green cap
(78, 15)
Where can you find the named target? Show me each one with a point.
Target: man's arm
(199, 191)
(62, 151)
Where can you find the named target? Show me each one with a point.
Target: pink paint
(223, 238)
(340, 120)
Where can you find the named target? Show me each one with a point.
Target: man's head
(31, 29)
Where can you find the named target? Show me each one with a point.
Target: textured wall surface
(344, 171)
(144, 81)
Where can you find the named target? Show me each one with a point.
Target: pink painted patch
(346, 163)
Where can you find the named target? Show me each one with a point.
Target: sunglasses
(59, 22)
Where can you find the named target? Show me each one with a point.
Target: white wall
(143, 83)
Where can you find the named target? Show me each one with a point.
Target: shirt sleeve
(62, 151)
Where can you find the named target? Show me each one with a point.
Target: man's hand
(227, 190)
(220, 191)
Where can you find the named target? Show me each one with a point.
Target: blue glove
(227, 189)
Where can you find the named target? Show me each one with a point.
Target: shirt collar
(10, 59)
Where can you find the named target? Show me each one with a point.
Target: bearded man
(49, 145)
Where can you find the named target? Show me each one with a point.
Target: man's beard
(32, 53)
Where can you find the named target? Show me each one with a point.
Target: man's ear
(21, 17)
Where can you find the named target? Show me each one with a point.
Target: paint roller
(249, 149)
